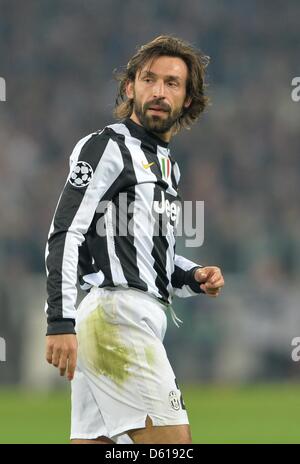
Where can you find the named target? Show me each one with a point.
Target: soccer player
(115, 226)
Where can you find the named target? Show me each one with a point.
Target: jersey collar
(145, 136)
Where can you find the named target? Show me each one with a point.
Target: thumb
(200, 276)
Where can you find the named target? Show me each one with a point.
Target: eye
(147, 80)
(173, 84)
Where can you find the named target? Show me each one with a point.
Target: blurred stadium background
(233, 354)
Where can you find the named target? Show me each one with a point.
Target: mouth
(157, 109)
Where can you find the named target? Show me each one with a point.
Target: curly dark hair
(166, 45)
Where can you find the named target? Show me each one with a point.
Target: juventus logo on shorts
(173, 400)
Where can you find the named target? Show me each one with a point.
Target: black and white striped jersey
(115, 223)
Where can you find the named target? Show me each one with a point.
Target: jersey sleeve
(96, 168)
(182, 280)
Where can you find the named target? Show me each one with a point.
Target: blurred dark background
(242, 159)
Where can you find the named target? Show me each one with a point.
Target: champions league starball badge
(81, 175)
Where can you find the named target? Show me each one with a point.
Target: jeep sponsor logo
(171, 209)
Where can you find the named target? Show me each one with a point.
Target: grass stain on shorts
(101, 347)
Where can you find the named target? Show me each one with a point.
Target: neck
(165, 137)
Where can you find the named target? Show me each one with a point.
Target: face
(159, 94)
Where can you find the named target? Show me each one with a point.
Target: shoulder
(92, 146)
(101, 149)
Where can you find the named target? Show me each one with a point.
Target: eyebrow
(168, 77)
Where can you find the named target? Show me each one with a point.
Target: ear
(130, 89)
(187, 102)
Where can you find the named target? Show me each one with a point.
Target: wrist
(61, 326)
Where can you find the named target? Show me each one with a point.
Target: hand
(211, 280)
(61, 351)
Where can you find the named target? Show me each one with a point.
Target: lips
(158, 108)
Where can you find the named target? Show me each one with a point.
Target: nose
(159, 89)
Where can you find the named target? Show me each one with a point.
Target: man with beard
(115, 223)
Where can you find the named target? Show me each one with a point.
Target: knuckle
(57, 349)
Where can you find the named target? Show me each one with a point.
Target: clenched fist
(211, 279)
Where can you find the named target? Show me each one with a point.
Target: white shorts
(123, 373)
